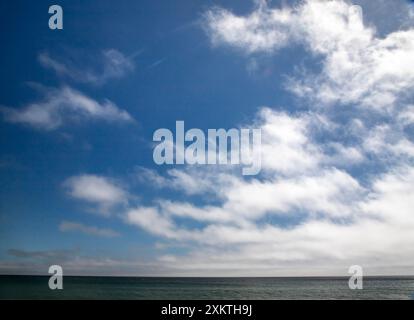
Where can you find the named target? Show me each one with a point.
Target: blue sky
(79, 106)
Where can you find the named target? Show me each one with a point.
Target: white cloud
(392, 197)
(358, 67)
(63, 105)
(389, 143)
(286, 145)
(345, 155)
(379, 235)
(191, 180)
(152, 221)
(263, 30)
(245, 202)
(69, 226)
(96, 190)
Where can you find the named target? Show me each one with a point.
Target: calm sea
(36, 287)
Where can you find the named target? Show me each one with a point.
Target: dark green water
(36, 287)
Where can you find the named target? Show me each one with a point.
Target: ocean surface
(36, 287)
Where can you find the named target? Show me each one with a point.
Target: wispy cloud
(156, 63)
(63, 105)
(45, 255)
(69, 226)
(114, 65)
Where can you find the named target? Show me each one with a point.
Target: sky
(329, 83)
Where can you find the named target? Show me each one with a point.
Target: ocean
(36, 287)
